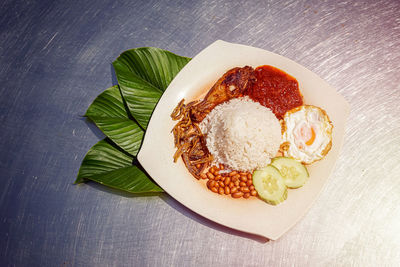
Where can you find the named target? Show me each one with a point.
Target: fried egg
(307, 134)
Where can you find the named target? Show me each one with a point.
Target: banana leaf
(122, 113)
(143, 74)
(108, 112)
(107, 164)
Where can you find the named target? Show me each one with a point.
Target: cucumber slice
(293, 172)
(270, 185)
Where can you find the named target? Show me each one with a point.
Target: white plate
(248, 215)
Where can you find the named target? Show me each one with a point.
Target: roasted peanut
(245, 189)
(212, 183)
(221, 190)
(210, 175)
(227, 190)
(237, 194)
(237, 184)
(232, 173)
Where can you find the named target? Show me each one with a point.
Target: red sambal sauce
(276, 90)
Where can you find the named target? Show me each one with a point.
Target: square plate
(248, 215)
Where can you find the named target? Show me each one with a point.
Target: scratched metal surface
(55, 58)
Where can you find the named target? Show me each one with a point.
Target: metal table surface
(55, 58)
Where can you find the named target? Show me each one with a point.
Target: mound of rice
(242, 134)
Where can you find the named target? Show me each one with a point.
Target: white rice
(242, 134)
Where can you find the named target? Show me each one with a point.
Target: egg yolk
(306, 134)
(311, 140)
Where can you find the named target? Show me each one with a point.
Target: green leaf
(143, 75)
(106, 164)
(108, 112)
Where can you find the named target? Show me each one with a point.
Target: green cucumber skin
(285, 161)
(276, 197)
